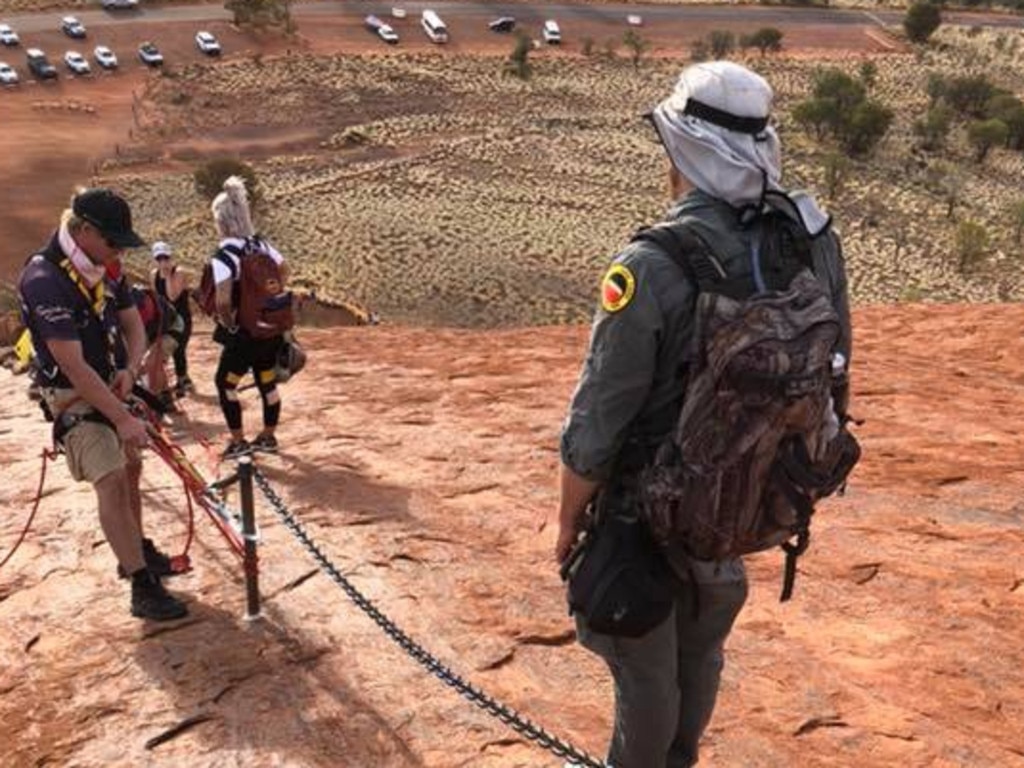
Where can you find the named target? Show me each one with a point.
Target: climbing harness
(510, 717)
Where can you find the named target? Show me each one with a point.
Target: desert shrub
(971, 244)
(637, 46)
(1017, 220)
(922, 19)
(210, 176)
(699, 51)
(722, 42)
(518, 63)
(765, 39)
(587, 46)
(814, 114)
(934, 127)
(1009, 109)
(868, 73)
(865, 127)
(969, 95)
(837, 168)
(985, 134)
(262, 14)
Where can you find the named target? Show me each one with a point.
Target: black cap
(110, 214)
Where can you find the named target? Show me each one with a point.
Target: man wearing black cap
(724, 163)
(89, 343)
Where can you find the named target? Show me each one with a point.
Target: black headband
(727, 120)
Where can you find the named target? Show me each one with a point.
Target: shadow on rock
(263, 690)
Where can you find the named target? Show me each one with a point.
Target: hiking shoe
(265, 444)
(151, 601)
(236, 449)
(158, 563)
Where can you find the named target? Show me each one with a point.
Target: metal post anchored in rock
(250, 560)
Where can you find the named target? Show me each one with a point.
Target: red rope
(47, 455)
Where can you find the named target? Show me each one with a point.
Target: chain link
(493, 707)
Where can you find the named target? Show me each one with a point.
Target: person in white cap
(174, 284)
(724, 168)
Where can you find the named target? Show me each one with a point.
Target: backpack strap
(687, 248)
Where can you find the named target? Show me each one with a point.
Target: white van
(552, 34)
(434, 27)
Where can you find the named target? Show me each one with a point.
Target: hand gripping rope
(532, 732)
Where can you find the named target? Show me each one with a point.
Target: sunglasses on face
(162, 258)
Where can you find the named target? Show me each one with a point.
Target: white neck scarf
(90, 272)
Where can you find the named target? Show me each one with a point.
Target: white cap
(160, 248)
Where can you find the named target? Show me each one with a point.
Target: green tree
(985, 134)
(209, 178)
(766, 39)
(934, 127)
(922, 19)
(722, 42)
(843, 91)
(936, 88)
(637, 46)
(865, 127)
(971, 244)
(518, 63)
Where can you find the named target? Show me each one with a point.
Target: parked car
(207, 43)
(398, 12)
(39, 65)
(105, 57)
(76, 63)
(635, 20)
(7, 74)
(384, 31)
(503, 24)
(552, 34)
(8, 36)
(72, 27)
(150, 55)
(124, 5)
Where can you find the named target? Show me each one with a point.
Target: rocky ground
(423, 462)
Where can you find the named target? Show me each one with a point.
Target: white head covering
(715, 129)
(231, 210)
(160, 248)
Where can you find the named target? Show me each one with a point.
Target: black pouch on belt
(619, 581)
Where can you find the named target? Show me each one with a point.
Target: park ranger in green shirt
(724, 157)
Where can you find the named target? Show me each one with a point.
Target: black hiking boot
(158, 563)
(151, 601)
(236, 449)
(265, 444)
(183, 387)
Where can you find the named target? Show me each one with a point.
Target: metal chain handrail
(493, 707)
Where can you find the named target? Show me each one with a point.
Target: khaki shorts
(93, 450)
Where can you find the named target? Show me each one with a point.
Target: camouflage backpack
(758, 440)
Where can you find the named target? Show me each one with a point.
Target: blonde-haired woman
(244, 348)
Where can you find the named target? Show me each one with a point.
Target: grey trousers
(666, 682)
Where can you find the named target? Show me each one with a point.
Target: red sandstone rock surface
(423, 462)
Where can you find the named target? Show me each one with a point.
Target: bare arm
(134, 336)
(225, 312)
(575, 493)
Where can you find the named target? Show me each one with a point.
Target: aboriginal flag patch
(617, 288)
